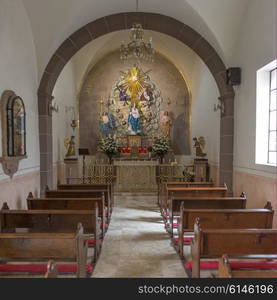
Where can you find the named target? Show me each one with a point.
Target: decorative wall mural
(134, 105)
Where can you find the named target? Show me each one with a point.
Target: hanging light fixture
(137, 47)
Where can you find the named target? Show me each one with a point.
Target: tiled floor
(136, 244)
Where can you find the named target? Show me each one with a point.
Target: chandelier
(137, 47)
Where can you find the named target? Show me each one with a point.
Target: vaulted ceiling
(52, 21)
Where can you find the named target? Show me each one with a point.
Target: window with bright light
(266, 127)
(272, 119)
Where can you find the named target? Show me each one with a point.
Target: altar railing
(174, 172)
(135, 175)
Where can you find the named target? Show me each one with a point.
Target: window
(272, 119)
(16, 132)
(266, 127)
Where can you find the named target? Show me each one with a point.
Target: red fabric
(186, 240)
(41, 268)
(91, 242)
(236, 265)
(175, 225)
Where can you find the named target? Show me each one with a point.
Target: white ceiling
(52, 21)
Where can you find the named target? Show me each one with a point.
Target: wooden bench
(164, 186)
(237, 269)
(38, 247)
(178, 192)
(94, 186)
(82, 194)
(201, 203)
(221, 218)
(54, 221)
(242, 243)
(69, 204)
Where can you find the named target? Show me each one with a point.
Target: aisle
(136, 244)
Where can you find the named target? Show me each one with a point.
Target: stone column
(227, 141)
(45, 138)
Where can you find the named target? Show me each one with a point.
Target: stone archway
(123, 21)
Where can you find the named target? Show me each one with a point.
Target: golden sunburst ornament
(134, 81)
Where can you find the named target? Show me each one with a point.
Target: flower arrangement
(109, 146)
(160, 146)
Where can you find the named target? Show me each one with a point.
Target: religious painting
(135, 104)
(133, 99)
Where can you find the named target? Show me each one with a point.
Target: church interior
(138, 139)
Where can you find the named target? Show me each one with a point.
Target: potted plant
(160, 147)
(109, 146)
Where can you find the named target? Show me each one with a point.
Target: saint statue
(134, 121)
(165, 123)
(123, 95)
(199, 145)
(107, 124)
(147, 95)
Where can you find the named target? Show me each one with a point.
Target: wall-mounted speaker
(233, 76)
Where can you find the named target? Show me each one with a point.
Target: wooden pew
(82, 194)
(94, 186)
(38, 247)
(235, 269)
(242, 243)
(221, 218)
(69, 204)
(54, 221)
(178, 192)
(164, 186)
(202, 203)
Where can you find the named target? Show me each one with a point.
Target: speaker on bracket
(233, 76)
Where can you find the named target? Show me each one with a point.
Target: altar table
(135, 176)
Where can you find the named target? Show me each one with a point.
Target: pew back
(179, 192)
(208, 243)
(207, 202)
(49, 220)
(65, 203)
(165, 186)
(222, 218)
(227, 218)
(202, 203)
(176, 191)
(95, 186)
(45, 246)
(81, 194)
(69, 204)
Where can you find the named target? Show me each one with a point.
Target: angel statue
(199, 145)
(70, 145)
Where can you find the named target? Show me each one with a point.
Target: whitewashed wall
(256, 47)
(18, 72)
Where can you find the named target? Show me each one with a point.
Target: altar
(135, 175)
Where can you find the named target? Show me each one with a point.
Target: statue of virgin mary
(134, 121)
